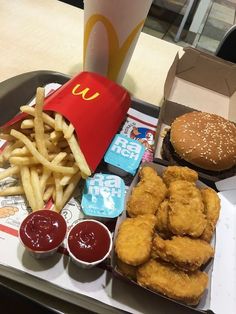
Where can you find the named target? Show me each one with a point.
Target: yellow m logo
(76, 92)
(116, 54)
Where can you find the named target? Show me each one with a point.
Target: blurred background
(198, 23)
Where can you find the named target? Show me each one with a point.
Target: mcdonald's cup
(111, 31)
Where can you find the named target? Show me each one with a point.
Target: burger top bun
(205, 140)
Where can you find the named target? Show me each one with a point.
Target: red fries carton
(95, 106)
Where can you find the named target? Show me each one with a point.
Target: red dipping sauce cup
(42, 232)
(89, 242)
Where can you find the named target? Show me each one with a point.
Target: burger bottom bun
(168, 153)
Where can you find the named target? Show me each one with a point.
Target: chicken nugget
(168, 280)
(162, 220)
(183, 252)
(147, 194)
(134, 239)
(186, 209)
(126, 269)
(173, 173)
(211, 201)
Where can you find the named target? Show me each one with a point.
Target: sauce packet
(103, 196)
(124, 155)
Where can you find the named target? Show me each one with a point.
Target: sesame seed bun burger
(203, 141)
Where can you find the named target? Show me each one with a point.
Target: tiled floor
(219, 18)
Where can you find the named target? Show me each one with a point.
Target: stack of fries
(43, 153)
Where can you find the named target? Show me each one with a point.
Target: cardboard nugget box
(219, 297)
(197, 81)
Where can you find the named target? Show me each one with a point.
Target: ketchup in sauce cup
(42, 232)
(89, 242)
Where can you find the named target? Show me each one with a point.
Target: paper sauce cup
(89, 242)
(111, 31)
(42, 232)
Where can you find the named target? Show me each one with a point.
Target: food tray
(204, 303)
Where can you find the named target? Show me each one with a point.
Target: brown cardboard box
(197, 81)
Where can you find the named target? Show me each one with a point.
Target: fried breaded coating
(134, 239)
(173, 173)
(183, 252)
(211, 201)
(148, 173)
(168, 280)
(162, 220)
(147, 194)
(186, 209)
(126, 269)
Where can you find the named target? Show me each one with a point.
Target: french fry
(65, 180)
(78, 155)
(9, 172)
(46, 174)
(27, 124)
(55, 136)
(48, 193)
(11, 146)
(20, 152)
(26, 182)
(23, 160)
(39, 204)
(69, 190)
(46, 118)
(51, 147)
(58, 122)
(59, 192)
(40, 158)
(38, 123)
(12, 190)
(70, 130)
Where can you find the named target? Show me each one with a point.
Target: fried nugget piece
(186, 209)
(173, 173)
(183, 252)
(162, 220)
(134, 239)
(168, 280)
(147, 194)
(211, 201)
(126, 269)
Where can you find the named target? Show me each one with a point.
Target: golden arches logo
(116, 54)
(77, 92)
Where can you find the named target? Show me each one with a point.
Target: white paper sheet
(223, 287)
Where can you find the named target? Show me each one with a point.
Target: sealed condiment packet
(103, 196)
(124, 155)
(95, 106)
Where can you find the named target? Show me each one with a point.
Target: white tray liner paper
(223, 287)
